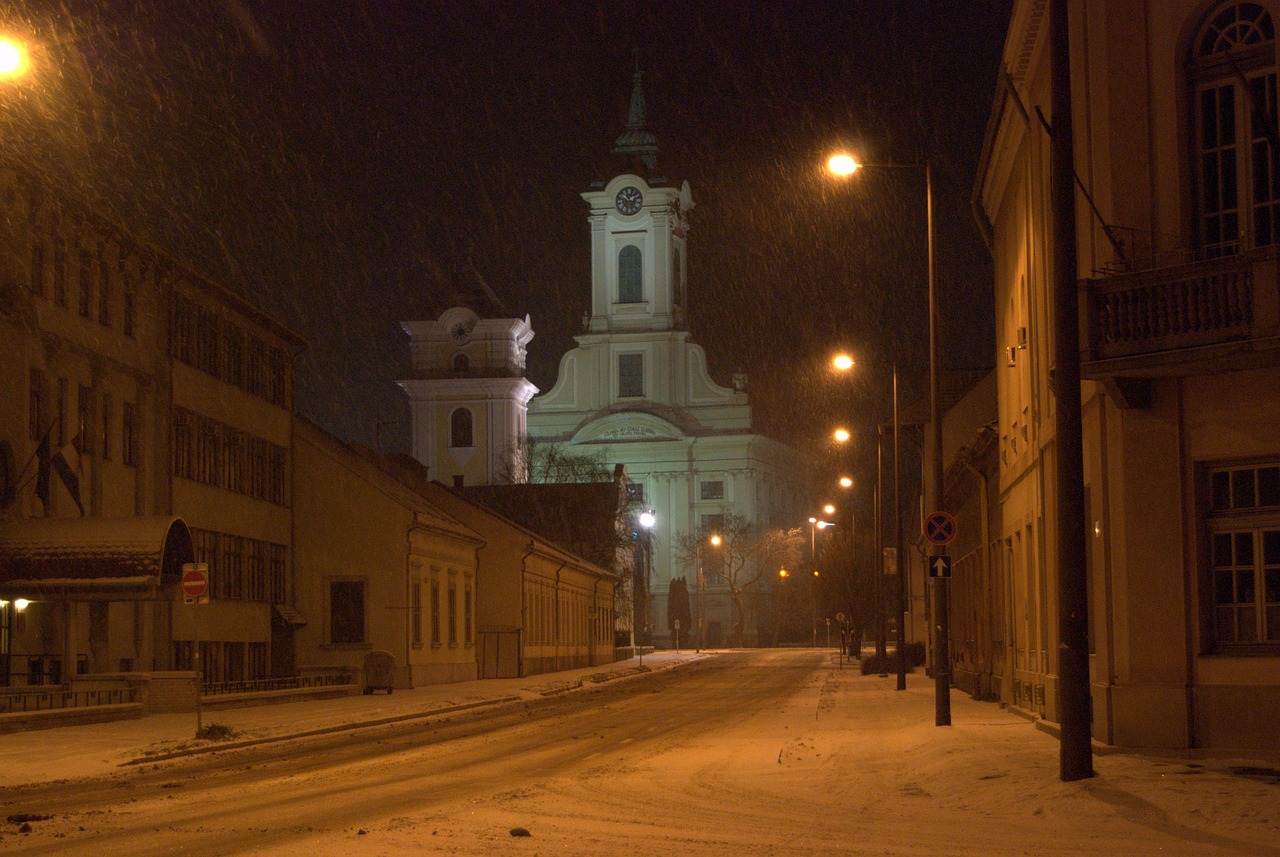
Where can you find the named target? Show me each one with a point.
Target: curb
(311, 733)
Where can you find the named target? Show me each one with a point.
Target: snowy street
(754, 752)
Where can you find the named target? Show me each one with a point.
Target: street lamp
(845, 363)
(13, 57)
(646, 519)
(842, 164)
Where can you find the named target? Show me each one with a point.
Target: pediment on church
(620, 427)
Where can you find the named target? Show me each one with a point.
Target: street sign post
(939, 528)
(195, 583)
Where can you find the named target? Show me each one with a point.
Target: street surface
(757, 752)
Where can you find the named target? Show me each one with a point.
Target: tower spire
(638, 141)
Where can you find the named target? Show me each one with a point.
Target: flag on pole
(67, 463)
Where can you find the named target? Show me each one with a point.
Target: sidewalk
(97, 749)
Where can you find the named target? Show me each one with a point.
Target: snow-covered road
(759, 752)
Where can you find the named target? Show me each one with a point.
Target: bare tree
(746, 552)
(534, 460)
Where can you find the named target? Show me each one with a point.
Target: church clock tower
(639, 228)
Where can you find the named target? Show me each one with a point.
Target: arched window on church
(460, 433)
(1237, 139)
(460, 363)
(630, 290)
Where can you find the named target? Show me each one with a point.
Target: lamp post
(646, 519)
(844, 165)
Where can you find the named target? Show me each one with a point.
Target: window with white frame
(630, 288)
(1237, 140)
(1244, 556)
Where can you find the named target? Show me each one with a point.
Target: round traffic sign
(195, 582)
(939, 528)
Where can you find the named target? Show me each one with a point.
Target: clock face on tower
(628, 200)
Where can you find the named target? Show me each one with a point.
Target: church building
(636, 391)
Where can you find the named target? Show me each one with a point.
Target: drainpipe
(524, 576)
(557, 631)
(408, 604)
(984, 553)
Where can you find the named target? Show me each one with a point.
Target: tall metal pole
(878, 568)
(897, 539)
(1075, 709)
(941, 595)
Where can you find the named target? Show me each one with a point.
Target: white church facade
(635, 391)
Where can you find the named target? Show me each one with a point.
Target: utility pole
(1074, 707)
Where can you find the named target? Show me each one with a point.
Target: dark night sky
(327, 159)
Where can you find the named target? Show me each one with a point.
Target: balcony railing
(1202, 303)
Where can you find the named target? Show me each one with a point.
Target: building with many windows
(145, 419)
(1177, 152)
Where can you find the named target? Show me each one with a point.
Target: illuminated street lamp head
(648, 519)
(842, 165)
(813, 520)
(783, 573)
(13, 57)
(841, 435)
(829, 509)
(843, 362)
(716, 540)
(822, 525)
(846, 482)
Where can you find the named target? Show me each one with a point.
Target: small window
(630, 375)
(435, 612)
(460, 429)
(712, 524)
(635, 492)
(415, 618)
(346, 612)
(453, 613)
(630, 289)
(712, 489)
(461, 363)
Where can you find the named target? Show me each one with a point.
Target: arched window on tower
(460, 363)
(630, 290)
(1237, 139)
(460, 432)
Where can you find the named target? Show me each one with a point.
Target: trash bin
(379, 668)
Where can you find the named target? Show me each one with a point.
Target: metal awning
(290, 615)
(45, 555)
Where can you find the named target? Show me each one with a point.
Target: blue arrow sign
(939, 566)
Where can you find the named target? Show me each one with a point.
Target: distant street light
(844, 363)
(842, 164)
(646, 519)
(13, 57)
(841, 435)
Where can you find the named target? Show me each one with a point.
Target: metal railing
(21, 702)
(262, 685)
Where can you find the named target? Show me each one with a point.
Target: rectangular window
(277, 593)
(635, 492)
(37, 418)
(415, 613)
(466, 614)
(37, 268)
(435, 612)
(346, 612)
(712, 523)
(107, 416)
(1244, 557)
(84, 418)
(104, 288)
(180, 334)
(630, 375)
(712, 489)
(129, 314)
(85, 272)
(129, 434)
(453, 612)
(59, 273)
(61, 415)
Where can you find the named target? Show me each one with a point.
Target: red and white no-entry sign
(195, 582)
